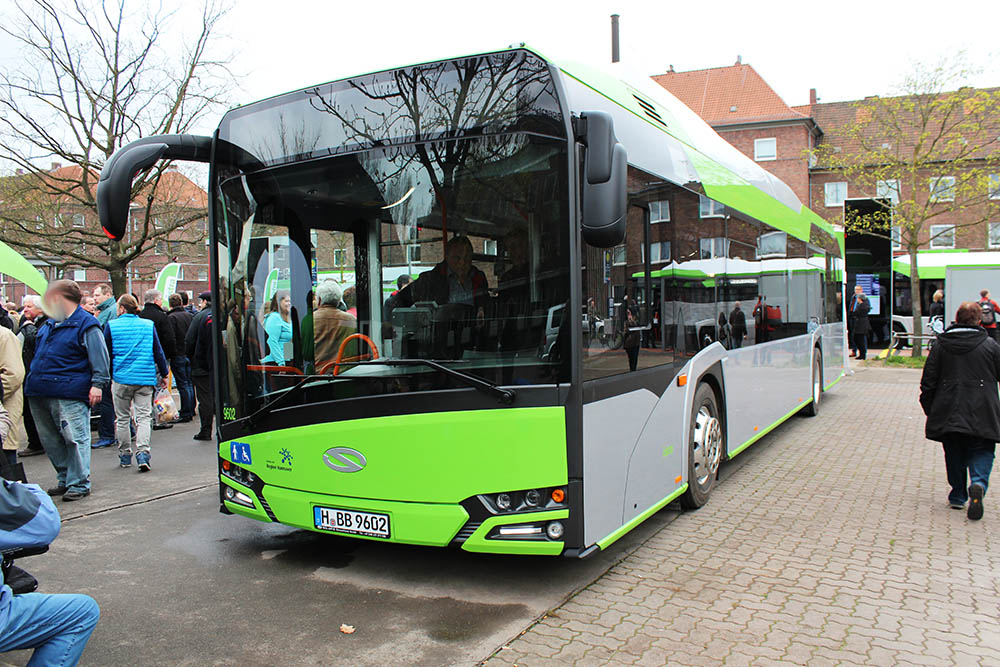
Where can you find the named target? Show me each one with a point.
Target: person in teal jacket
(138, 365)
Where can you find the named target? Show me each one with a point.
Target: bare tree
(97, 74)
(933, 151)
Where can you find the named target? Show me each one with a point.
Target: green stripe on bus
(830, 386)
(615, 536)
(770, 428)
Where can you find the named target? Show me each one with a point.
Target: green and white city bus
(476, 407)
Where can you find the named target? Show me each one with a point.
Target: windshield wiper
(254, 418)
(503, 396)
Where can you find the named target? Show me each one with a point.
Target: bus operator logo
(344, 459)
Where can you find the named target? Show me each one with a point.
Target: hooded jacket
(959, 390)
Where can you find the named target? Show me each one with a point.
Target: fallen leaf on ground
(347, 629)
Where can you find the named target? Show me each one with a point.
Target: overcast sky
(846, 49)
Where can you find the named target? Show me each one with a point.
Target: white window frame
(936, 241)
(765, 156)
(772, 235)
(79, 220)
(993, 232)
(993, 186)
(896, 238)
(709, 208)
(340, 253)
(202, 274)
(77, 273)
(614, 255)
(718, 246)
(939, 194)
(833, 201)
(661, 259)
(413, 253)
(888, 189)
(156, 247)
(659, 211)
(490, 247)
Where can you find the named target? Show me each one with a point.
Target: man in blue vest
(67, 375)
(136, 358)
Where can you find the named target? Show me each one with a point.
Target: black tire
(900, 342)
(812, 408)
(706, 446)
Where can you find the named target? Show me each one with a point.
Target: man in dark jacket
(198, 345)
(455, 280)
(180, 365)
(959, 395)
(858, 314)
(738, 324)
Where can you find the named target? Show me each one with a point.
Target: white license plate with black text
(369, 524)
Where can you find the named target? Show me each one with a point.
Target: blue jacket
(135, 350)
(28, 519)
(62, 366)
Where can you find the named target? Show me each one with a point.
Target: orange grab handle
(343, 346)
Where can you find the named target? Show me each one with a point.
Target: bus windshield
(454, 250)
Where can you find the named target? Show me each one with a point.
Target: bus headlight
(532, 498)
(238, 497)
(503, 502)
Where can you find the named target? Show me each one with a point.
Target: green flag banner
(17, 267)
(166, 280)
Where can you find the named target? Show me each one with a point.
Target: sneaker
(202, 436)
(30, 452)
(976, 493)
(142, 458)
(70, 496)
(57, 490)
(183, 420)
(160, 426)
(955, 505)
(102, 443)
(125, 460)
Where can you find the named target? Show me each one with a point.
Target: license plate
(351, 522)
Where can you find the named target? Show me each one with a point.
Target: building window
(659, 252)
(413, 253)
(618, 255)
(659, 211)
(340, 256)
(713, 247)
(202, 274)
(79, 275)
(78, 220)
(765, 149)
(994, 235)
(835, 193)
(709, 208)
(994, 186)
(888, 189)
(897, 240)
(157, 223)
(490, 247)
(942, 189)
(772, 244)
(160, 248)
(942, 236)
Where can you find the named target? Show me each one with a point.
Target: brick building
(179, 233)
(741, 106)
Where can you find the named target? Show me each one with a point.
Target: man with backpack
(990, 311)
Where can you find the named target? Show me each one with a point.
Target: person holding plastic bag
(138, 365)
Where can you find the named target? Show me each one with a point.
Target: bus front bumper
(429, 524)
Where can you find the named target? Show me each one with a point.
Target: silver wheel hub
(816, 387)
(706, 451)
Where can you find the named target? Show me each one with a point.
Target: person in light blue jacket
(136, 359)
(56, 627)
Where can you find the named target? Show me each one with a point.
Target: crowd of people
(95, 354)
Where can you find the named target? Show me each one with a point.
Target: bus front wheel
(705, 445)
(812, 408)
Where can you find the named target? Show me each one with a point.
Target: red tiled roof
(728, 95)
(174, 188)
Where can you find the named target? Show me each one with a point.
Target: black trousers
(861, 344)
(206, 401)
(633, 357)
(34, 442)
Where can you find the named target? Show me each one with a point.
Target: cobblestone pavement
(830, 544)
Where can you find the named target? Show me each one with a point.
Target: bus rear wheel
(812, 408)
(705, 445)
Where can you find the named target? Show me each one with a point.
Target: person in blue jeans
(959, 394)
(66, 379)
(56, 627)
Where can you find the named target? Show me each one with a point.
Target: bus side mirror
(114, 189)
(605, 183)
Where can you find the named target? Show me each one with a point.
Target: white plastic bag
(163, 406)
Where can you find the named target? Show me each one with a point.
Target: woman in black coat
(959, 395)
(861, 326)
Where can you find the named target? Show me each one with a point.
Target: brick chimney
(812, 96)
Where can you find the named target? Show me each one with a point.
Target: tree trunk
(918, 328)
(119, 283)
